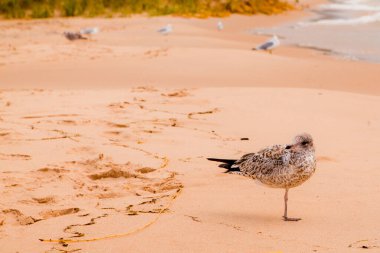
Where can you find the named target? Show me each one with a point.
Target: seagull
(89, 30)
(278, 166)
(220, 25)
(74, 36)
(166, 29)
(269, 45)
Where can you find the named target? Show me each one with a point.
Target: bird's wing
(242, 160)
(265, 46)
(262, 162)
(274, 152)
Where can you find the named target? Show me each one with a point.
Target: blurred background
(111, 8)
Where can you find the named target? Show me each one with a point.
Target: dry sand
(104, 137)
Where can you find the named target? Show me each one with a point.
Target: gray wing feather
(266, 45)
(263, 162)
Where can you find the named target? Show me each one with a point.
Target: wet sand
(344, 29)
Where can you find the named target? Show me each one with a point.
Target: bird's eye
(304, 143)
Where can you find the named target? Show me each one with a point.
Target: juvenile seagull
(166, 29)
(269, 45)
(278, 166)
(74, 36)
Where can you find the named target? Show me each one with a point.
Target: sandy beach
(104, 141)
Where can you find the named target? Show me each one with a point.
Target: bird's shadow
(248, 217)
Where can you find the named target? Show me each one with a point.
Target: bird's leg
(270, 51)
(286, 218)
(286, 203)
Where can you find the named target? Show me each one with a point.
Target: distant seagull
(220, 25)
(166, 29)
(278, 166)
(89, 30)
(74, 36)
(269, 45)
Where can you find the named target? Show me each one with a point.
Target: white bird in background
(166, 29)
(90, 30)
(220, 25)
(269, 45)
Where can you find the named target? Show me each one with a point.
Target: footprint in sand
(69, 229)
(172, 122)
(156, 53)
(163, 185)
(117, 107)
(112, 133)
(132, 210)
(179, 93)
(366, 244)
(156, 204)
(114, 173)
(192, 114)
(150, 131)
(67, 122)
(17, 217)
(56, 170)
(236, 227)
(117, 125)
(50, 116)
(4, 134)
(45, 200)
(145, 170)
(55, 213)
(14, 157)
(109, 195)
(194, 218)
(144, 89)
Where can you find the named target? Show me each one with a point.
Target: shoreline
(338, 30)
(130, 53)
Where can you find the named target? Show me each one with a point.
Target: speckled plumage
(278, 166)
(74, 36)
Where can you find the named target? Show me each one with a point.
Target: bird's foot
(290, 219)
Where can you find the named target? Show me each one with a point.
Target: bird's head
(302, 142)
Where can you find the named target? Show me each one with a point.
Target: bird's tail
(226, 163)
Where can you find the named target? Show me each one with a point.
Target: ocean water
(346, 28)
